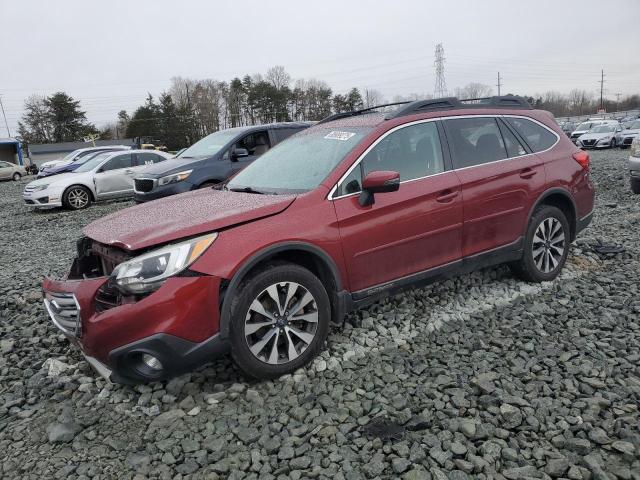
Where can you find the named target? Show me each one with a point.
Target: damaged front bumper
(177, 325)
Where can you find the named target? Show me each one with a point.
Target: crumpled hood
(180, 216)
(173, 165)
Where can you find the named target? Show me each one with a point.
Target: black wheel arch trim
(565, 193)
(261, 255)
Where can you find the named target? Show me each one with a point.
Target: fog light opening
(152, 362)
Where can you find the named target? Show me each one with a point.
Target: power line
(440, 90)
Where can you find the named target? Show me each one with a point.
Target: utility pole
(618, 95)
(601, 90)
(499, 84)
(440, 89)
(5, 117)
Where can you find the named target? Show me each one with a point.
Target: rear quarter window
(536, 136)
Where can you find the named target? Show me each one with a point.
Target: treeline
(191, 109)
(581, 102)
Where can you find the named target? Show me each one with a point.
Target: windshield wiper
(245, 190)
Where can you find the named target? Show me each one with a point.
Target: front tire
(279, 320)
(635, 185)
(546, 246)
(16, 177)
(613, 143)
(76, 197)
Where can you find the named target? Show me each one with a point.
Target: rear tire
(635, 185)
(16, 177)
(76, 197)
(546, 246)
(271, 338)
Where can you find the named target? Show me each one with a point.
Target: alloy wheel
(548, 245)
(78, 198)
(281, 323)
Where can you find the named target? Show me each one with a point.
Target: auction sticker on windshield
(344, 136)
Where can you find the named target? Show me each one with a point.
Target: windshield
(634, 125)
(210, 145)
(584, 126)
(603, 129)
(301, 163)
(93, 162)
(69, 156)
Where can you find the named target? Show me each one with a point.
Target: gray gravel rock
(487, 376)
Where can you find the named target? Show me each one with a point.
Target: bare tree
(474, 90)
(372, 98)
(278, 77)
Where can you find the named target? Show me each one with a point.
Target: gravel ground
(481, 376)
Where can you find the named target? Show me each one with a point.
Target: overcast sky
(110, 54)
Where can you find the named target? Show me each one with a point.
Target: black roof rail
(450, 103)
(337, 116)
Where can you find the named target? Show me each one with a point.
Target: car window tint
(4, 165)
(256, 143)
(148, 158)
(352, 183)
(284, 133)
(116, 163)
(512, 144)
(412, 151)
(538, 137)
(474, 141)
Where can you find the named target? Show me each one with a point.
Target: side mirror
(239, 153)
(379, 181)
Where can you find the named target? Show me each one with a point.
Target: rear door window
(536, 136)
(511, 143)
(116, 163)
(148, 158)
(474, 141)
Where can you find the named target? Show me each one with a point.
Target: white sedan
(104, 177)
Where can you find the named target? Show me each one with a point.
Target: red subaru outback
(357, 207)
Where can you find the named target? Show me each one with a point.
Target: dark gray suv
(211, 160)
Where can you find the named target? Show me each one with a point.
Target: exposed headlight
(38, 188)
(146, 273)
(174, 177)
(605, 139)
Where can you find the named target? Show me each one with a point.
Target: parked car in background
(11, 171)
(634, 164)
(584, 127)
(211, 160)
(600, 136)
(105, 176)
(74, 165)
(349, 211)
(626, 136)
(78, 154)
(568, 127)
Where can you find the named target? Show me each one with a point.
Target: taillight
(582, 158)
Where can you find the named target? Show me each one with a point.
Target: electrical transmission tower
(441, 84)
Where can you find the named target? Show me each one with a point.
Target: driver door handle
(446, 196)
(129, 172)
(527, 173)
